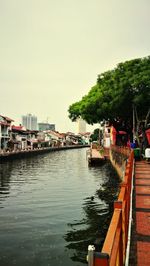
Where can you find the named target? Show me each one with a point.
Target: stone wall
(118, 158)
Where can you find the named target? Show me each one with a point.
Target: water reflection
(5, 173)
(98, 211)
(51, 201)
(18, 172)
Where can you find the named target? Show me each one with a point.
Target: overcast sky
(51, 51)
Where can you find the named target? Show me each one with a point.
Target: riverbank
(19, 154)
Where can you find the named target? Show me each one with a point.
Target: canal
(51, 207)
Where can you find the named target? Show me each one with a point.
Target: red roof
(7, 118)
(121, 132)
(17, 127)
(55, 133)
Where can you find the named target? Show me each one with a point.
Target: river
(51, 207)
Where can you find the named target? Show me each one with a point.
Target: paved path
(140, 243)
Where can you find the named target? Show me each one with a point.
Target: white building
(81, 125)
(107, 136)
(29, 122)
(46, 126)
(5, 123)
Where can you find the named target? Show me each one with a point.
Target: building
(18, 138)
(81, 124)
(107, 136)
(57, 139)
(5, 123)
(85, 137)
(46, 126)
(29, 122)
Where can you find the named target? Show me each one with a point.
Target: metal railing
(114, 248)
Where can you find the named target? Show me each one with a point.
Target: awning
(148, 135)
(122, 132)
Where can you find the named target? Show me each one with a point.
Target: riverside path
(128, 237)
(140, 242)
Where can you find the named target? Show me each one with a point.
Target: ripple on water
(50, 209)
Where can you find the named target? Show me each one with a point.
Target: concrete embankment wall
(29, 153)
(118, 157)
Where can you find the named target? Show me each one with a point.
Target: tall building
(29, 122)
(46, 126)
(81, 125)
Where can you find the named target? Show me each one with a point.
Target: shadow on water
(98, 211)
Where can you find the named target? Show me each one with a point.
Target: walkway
(140, 243)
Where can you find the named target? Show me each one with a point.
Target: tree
(115, 95)
(95, 135)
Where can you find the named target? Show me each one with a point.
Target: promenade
(125, 245)
(140, 241)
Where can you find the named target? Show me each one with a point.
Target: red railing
(114, 249)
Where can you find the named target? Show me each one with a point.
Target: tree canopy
(115, 93)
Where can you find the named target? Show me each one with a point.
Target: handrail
(114, 248)
(130, 221)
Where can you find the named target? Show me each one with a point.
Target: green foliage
(115, 93)
(95, 135)
(74, 111)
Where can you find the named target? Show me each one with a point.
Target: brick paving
(143, 256)
(140, 239)
(142, 201)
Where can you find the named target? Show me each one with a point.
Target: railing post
(125, 213)
(97, 258)
(90, 256)
(101, 259)
(119, 205)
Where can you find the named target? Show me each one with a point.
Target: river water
(51, 207)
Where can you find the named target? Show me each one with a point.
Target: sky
(51, 52)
